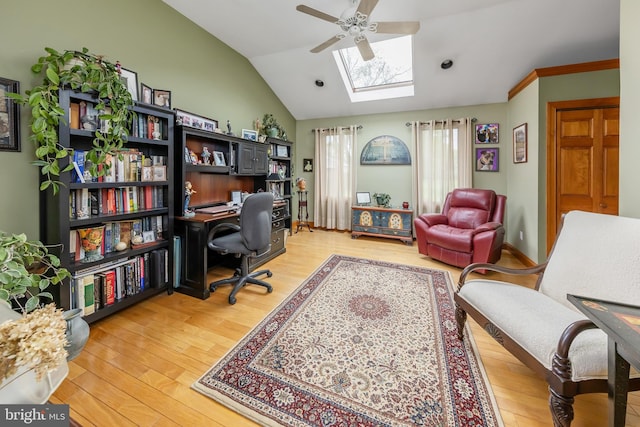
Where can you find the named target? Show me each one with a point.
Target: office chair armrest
(218, 228)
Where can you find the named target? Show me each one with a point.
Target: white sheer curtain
(443, 161)
(335, 177)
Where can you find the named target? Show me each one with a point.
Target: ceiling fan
(355, 22)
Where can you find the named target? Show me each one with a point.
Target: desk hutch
(248, 167)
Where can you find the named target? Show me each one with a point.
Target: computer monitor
(236, 197)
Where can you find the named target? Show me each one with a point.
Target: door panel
(583, 149)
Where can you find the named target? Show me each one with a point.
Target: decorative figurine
(188, 191)
(229, 128)
(157, 133)
(206, 155)
(194, 158)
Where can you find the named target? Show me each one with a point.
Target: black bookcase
(135, 200)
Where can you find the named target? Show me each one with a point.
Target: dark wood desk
(621, 323)
(197, 258)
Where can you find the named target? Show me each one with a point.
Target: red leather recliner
(468, 230)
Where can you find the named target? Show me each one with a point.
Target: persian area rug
(359, 343)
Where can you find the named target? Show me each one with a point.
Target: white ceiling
(494, 44)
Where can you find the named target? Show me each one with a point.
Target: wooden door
(583, 167)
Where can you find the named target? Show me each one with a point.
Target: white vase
(22, 387)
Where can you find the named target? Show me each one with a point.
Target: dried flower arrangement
(36, 341)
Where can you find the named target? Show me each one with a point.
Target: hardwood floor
(138, 365)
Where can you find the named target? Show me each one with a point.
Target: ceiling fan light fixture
(446, 64)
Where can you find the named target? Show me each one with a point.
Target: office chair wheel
(269, 274)
(232, 300)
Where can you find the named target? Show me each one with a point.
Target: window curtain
(443, 161)
(335, 177)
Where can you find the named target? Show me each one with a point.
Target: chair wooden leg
(461, 318)
(561, 409)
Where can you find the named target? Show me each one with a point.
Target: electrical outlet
(521, 235)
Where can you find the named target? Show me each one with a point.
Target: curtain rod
(440, 121)
(341, 127)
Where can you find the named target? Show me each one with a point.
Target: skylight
(388, 75)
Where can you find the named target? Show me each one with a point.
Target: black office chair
(252, 238)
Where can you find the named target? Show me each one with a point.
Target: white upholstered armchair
(594, 255)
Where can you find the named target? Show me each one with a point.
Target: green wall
(396, 180)
(167, 51)
(525, 213)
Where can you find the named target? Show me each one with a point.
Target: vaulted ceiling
(493, 45)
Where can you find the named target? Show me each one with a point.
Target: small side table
(303, 213)
(620, 323)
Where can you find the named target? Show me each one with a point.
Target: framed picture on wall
(487, 159)
(9, 116)
(520, 144)
(487, 134)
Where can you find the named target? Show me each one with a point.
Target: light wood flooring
(138, 365)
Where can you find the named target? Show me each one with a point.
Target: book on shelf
(85, 293)
(82, 204)
(77, 174)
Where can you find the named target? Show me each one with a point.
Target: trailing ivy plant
(84, 72)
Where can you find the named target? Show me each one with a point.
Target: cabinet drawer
(277, 240)
(396, 232)
(366, 229)
(277, 225)
(278, 213)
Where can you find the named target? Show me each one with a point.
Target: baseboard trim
(528, 262)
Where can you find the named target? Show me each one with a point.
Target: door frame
(552, 161)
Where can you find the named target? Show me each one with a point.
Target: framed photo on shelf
(487, 159)
(185, 118)
(9, 116)
(218, 158)
(363, 199)
(146, 94)
(487, 134)
(131, 79)
(281, 151)
(520, 144)
(162, 98)
(251, 135)
(159, 173)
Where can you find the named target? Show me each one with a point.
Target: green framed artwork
(385, 150)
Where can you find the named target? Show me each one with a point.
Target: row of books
(130, 165)
(107, 284)
(83, 115)
(133, 233)
(278, 168)
(85, 203)
(150, 127)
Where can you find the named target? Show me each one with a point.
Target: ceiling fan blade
(326, 44)
(409, 27)
(366, 6)
(314, 12)
(365, 49)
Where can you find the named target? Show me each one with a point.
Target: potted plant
(382, 199)
(85, 72)
(27, 267)
(270, 126)
(33, 343)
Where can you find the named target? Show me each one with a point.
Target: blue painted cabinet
(382, 222)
